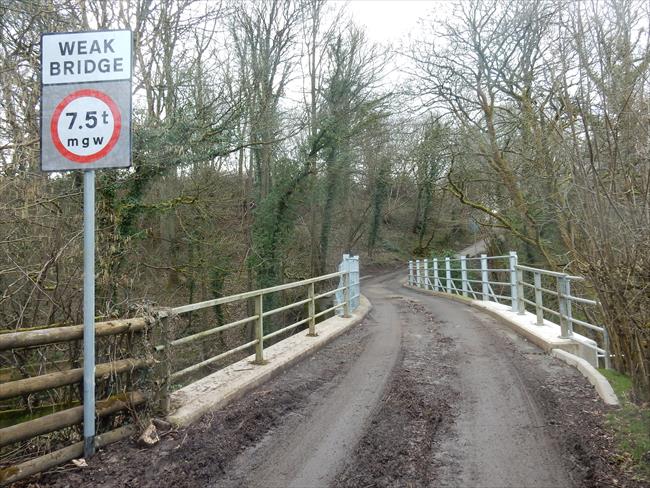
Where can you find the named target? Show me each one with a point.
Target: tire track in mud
(415, 413)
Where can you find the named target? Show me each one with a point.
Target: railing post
(448, 273)
(259, 329)
(164, 364)
(485, 286)
(513, 280)
(411, 273)
(569, 307)
(539, 311)
(606, 348)
(426, 274)
(562, 300)
(521, 305)
(436, 277)
(418, 276)
(312, 310)
(346, 294)
(463, 274)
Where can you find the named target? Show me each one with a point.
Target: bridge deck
(425, 392)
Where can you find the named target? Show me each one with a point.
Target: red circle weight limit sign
(85, 126)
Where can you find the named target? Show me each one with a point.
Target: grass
(631, 426)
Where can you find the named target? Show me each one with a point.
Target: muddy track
(425, 392)
(416, 411)
(203, 453)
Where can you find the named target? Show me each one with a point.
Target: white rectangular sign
(86, 100)
(81, 57)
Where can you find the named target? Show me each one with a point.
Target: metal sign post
(86, 125)
(89, 313)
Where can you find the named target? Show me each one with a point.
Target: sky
(396, 23)
(393, 20)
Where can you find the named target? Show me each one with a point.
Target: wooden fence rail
(43, 382)
(67, 418)
(158, 361)
(32, 338)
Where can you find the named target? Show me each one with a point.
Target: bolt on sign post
(86, 125)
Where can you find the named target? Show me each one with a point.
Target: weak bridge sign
(86, 100)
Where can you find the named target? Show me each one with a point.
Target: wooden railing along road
(156, 362)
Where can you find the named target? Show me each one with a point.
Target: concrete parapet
(221, 387)
(601, 384)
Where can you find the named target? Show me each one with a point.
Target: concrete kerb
(601, 384)
(556, 347)
(232, 382)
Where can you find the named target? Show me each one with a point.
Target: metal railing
(503, 280)
(348, 285)
(158, 366)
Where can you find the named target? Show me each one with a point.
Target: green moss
(7, 473)
(630, 425)
(16, 416)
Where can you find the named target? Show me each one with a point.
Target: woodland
(270, 137)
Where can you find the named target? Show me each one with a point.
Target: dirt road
(316, 444)
(425, 392)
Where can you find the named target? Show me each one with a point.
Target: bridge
(435, 375)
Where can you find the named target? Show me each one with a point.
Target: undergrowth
(631, 426)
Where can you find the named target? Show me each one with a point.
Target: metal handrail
(205, 333)
(541, 271)
(260, 314)
(441, 268)
(286, 307)
(197, 366)
(249, 294)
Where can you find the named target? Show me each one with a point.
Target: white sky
(393, 20)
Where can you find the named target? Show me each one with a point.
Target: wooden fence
(159, 362)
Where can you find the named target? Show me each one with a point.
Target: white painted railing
(503, 280)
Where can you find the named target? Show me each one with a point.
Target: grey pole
(89, 314)
(513, 280)
(463, 275)
(485, 285)
(426, 274)
(448, 273)
(435, 274)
